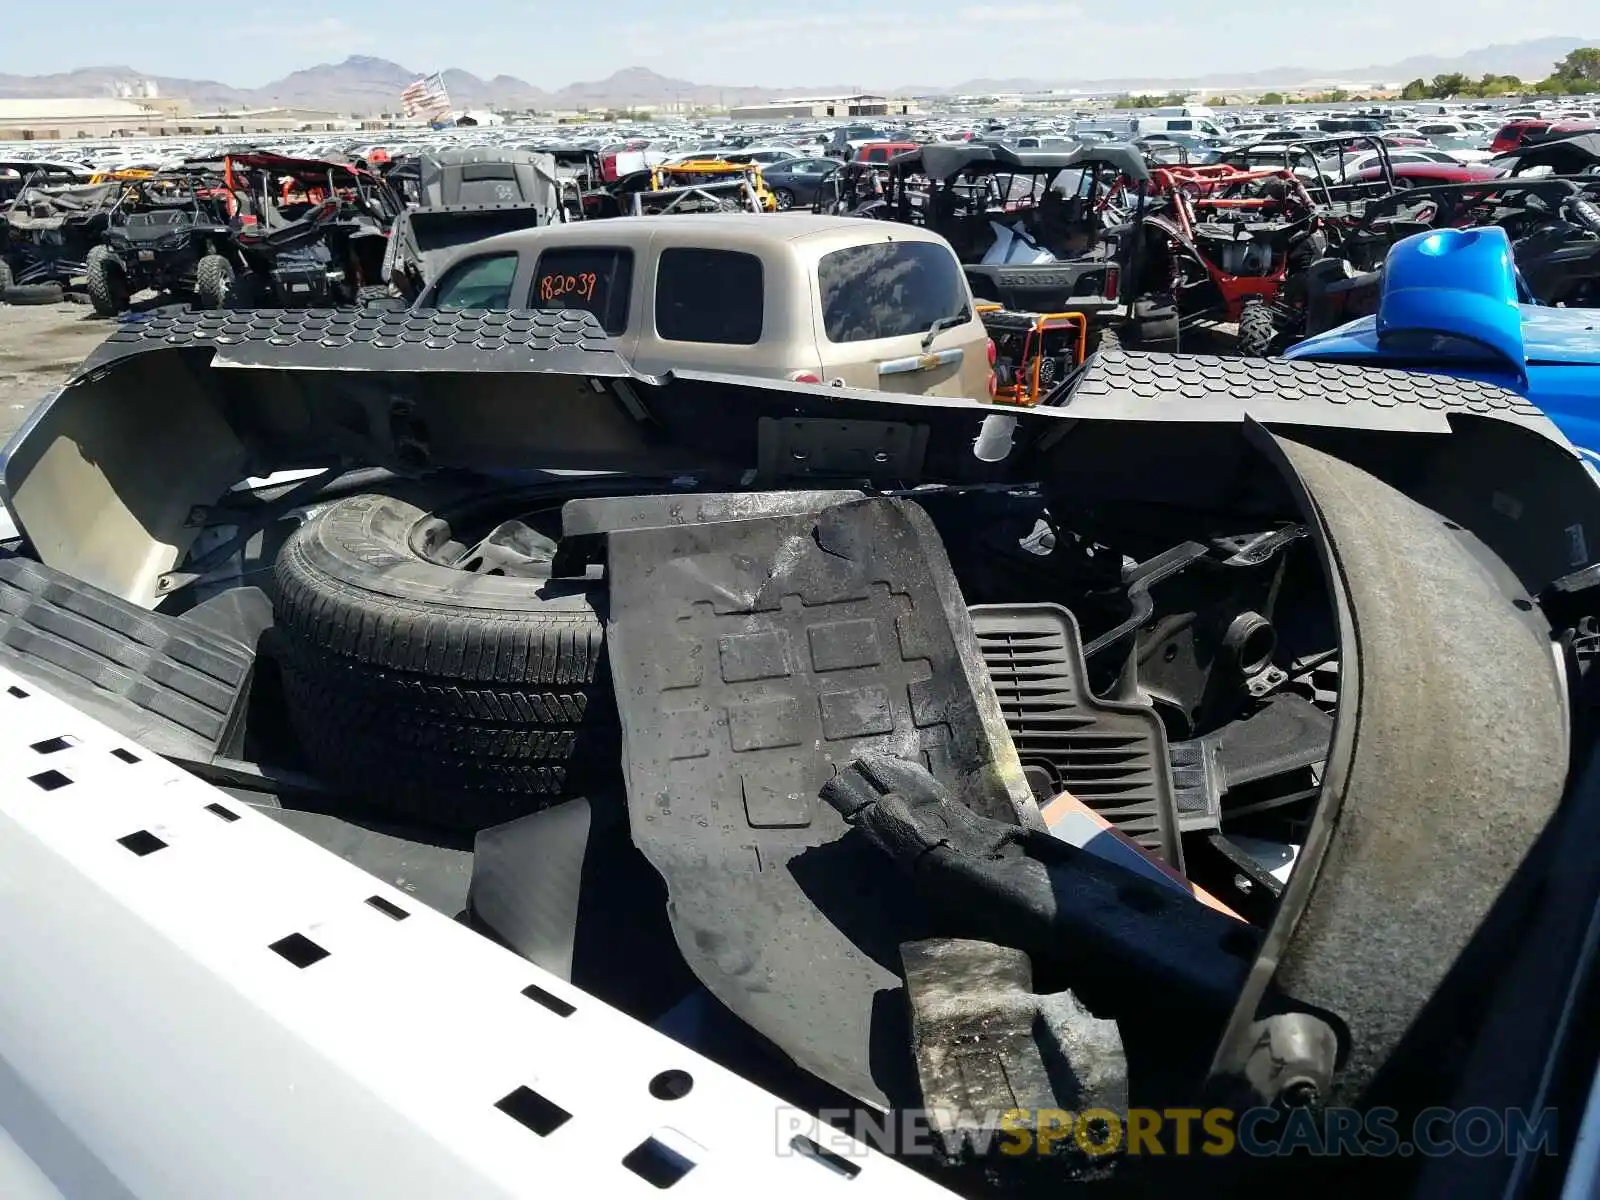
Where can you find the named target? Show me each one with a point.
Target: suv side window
(888, 289)
(709, 296)
(596, 279)
(483, 282)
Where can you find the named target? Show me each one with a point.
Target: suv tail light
(992, 352)
(804, 377)
(1113, 278)
(994, 385)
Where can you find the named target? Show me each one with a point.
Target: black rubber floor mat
(752, 659)
(172, 685)
(1111, 756)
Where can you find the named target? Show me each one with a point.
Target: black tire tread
(102, 286)
(448, 709)
(22, 294)
(431, 733)
(213, 281)
(1256, 331)
(422, 694)
(436, 645)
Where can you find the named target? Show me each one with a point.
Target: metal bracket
(810, 447)
(1139, 580)
(247, 527)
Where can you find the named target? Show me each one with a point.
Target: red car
(882, 152)
(610, 169)
(1575, 125)
(1513, 133)
(1432, 174)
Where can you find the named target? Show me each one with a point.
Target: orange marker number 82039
(553, 287)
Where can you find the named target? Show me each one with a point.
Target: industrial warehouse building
(57, 120)
(53, 120)
(291, 119)
(821, 107)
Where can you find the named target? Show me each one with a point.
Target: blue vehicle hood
(1549, 336)
(1564, 336)
(1567, 337)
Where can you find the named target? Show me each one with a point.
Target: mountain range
(1530, 60)
(363, 86)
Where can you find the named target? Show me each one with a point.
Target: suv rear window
(597, 279)
(888, 289)
(709, 296)
(483, 282)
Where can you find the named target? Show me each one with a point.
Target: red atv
(1227, 244)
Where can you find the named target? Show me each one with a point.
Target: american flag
(426, 97)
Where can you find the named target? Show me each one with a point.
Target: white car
(1434, 129)
(1329, 168)
(1464, 148)
(767, 155)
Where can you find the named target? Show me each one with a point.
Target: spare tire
(452, 695)
(33, 293)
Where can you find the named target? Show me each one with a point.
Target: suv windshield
(889, 289)
(483, 282)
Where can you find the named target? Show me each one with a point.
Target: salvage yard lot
(39, 347)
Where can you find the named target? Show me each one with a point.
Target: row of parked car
(258, 228)
(1062, 251)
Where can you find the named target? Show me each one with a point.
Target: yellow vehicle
(702, 171)
(119, 176)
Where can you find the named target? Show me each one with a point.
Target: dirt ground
(39, 347)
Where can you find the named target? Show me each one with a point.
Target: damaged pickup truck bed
(1221, 740)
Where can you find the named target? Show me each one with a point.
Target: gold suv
(815, 299)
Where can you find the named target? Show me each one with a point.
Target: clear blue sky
(812, 42)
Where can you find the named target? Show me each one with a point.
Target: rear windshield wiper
(943, 323)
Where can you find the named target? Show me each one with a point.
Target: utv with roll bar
(1042, 242)
(50, 217)
(465, 196)
(168, 233)
(1230, 246)
(1033, 228)
(581, 176)
(313, 233)
(708, 187)
(856, 189)
(1551, 220)
(1552, 224)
